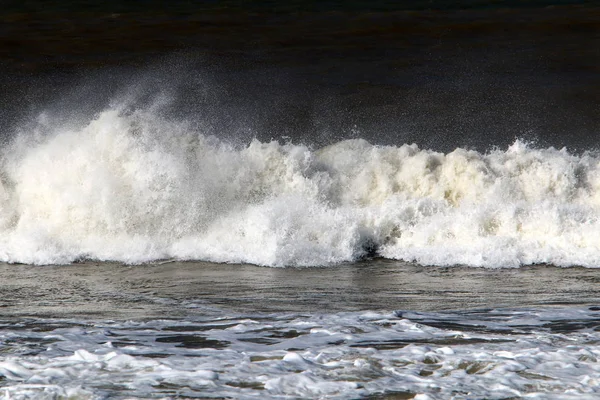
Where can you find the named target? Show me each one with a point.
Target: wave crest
(132, 187)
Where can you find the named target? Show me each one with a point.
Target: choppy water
(189, 330)
(300, 201)
(483, 354)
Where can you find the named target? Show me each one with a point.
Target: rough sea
(320, 200)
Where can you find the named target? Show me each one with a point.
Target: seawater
(341, 201)
(376, 330)
(493, 354)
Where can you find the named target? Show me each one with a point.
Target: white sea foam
(133, 187)
(498, 354)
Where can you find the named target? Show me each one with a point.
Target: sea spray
(132, 186)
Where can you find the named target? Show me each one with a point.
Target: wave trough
(133, 187)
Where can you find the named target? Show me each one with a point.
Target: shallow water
(375, 329)
(112, 290)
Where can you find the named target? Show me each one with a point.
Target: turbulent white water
(497, 354)
(132, 187)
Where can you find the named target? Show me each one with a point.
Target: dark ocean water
(441, 74)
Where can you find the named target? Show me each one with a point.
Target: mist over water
(442, 75)
(441, 102)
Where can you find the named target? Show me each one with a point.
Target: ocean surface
(360, 200)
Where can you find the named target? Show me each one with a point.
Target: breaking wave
(133, 187)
